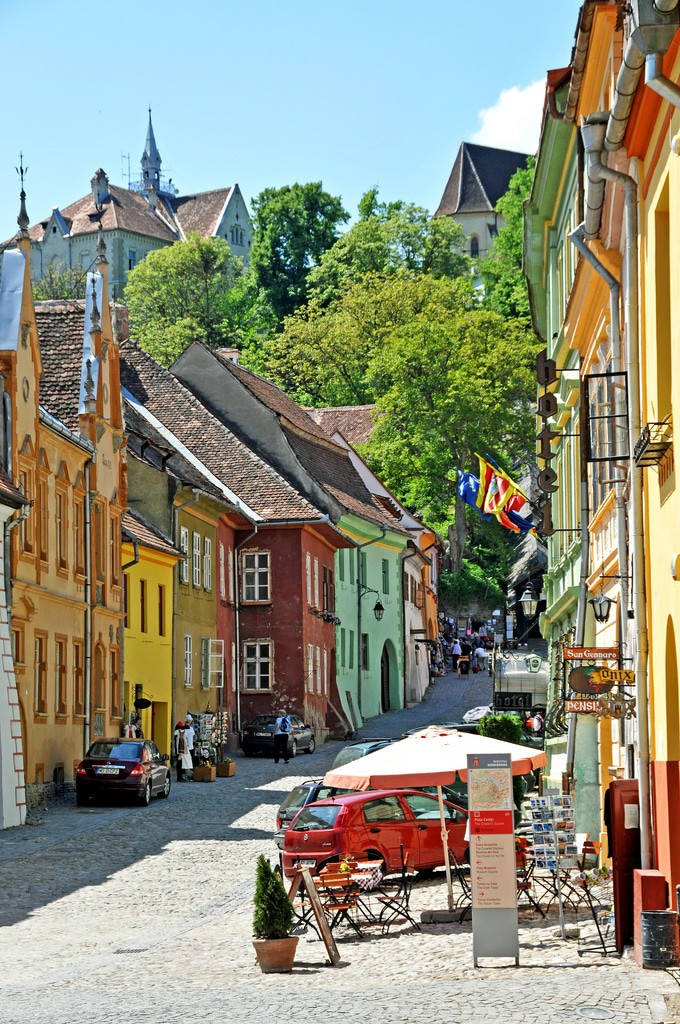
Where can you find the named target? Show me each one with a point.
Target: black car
(123, 767)
(257, 737)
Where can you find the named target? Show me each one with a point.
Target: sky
(353, 93)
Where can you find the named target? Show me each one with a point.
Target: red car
(375, 825)
(123, 767)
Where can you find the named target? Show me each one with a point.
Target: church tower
(151, 160)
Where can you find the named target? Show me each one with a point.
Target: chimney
(121, 323)
(232, 354)
(100, 187)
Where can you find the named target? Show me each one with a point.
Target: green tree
(448, 387)
(273, 917)
(61, 282)
(507, 728)
(505, 289)
(294, 226)
(388, 238)
(183, 292)
(322, 355)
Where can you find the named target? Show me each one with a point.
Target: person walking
(281, 731)
(455, 654)
(480, 657)
(181, 751)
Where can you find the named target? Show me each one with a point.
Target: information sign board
(492, 856)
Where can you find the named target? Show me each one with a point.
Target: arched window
(474, 247)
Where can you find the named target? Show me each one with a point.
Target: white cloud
(514, 120)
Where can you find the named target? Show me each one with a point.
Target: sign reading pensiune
(590, 653)
(582, 706)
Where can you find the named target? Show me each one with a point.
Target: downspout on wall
(360, 583)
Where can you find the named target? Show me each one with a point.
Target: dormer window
(54, 231)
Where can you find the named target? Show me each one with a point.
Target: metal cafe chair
(464, 901)
(339, 895)
(395, 897)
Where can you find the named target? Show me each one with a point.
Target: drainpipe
(175, 594)
(88, 608)
(237, 623)
(615, 336)
(656, 80)
(592, 136)
(358, 548)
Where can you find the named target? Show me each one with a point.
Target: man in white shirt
(189, 733)
(481, 656)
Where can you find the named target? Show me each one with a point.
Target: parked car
(123, 767)
(312, 790)
(375, 825)
(359, 749)
(257, 737)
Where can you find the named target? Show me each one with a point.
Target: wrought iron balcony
(653, 443)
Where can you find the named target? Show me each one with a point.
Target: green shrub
(274, 917)
(509, 729)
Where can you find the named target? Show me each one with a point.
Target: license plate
(108, 771)
(263, 734)
(307, 862)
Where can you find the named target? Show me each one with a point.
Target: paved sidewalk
(113, 914)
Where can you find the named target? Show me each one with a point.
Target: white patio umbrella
(434, 757)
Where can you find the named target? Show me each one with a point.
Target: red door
(622, 817)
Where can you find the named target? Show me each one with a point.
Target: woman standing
(181, 752)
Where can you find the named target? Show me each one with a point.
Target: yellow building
(61, 380)
(149, 562)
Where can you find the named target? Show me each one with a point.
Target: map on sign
(488, 790)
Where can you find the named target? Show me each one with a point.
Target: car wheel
(293, 749)
(145, 798)
(165, 792)
(312, 746)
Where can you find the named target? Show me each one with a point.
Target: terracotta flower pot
(276, 956)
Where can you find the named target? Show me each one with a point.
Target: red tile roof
(122, 209)
(225, 455)
(60, 335)
(200, 212)
(354, 422)
(136, 529)
(9, 494)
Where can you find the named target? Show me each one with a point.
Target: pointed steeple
(151, 159)
(22, 219)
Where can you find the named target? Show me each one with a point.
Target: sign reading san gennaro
(591, 653)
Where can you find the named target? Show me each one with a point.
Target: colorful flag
(516, 514)
(486, 472)
(468, 489)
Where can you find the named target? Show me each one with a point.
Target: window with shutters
(221, 570)
(62, 529)
(60, 676)
(161, 610)
(205, 663)
(341, 565)
(316, 582)
(99, 541)
(325, 671)
(324, 589)
(142, 606)
(79, 533)
(310, 668)
(385, 576)
(230, 573)
(257, 666)
(43, 521)
(308, 566)
(26, 527)
(40, 674)
(196, 550)
(183, 565)
(351, 649)
(116, 693)
(317, 666)
(188, 660)
(78, 679)
(207, 563)
(256, 576)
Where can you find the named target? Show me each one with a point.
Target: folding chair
(464, 901)
(338, 896)
(396, 897)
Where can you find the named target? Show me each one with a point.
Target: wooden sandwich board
(304, 877)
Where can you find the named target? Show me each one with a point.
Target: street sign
(614, 675)
(511, 700)
(591, 653)
(582, 706)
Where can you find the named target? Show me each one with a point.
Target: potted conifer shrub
(272, 922)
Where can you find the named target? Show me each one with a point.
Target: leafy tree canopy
(61, 282)
(388, 238)
(504, 285)
(294, 226)
(185, 291)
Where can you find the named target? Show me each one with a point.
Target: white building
(479, 177)
(135, 220)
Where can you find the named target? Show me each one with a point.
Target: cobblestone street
(112, 914)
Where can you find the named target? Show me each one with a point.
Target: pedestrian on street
(463, 665)
(181, 751)
(190, 734)
(538, 724)
(281, 731)
(455, 654)
(480, 657)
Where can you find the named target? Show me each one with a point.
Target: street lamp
(378, 610)
(529, 603)
(601, 607)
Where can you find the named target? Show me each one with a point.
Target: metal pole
(445, 844)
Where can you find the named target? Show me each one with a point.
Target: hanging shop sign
(510, 700)
(610, 705)
(591, 653)
(614, 675)
(546, 374)
(586, 679)
(582, 706)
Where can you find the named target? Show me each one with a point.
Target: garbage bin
(659, 933)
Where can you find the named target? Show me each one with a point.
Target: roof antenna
(22, 219)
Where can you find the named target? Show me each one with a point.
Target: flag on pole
(486, 471)
(469, 490)
(516, 514)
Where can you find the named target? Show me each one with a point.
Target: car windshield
(314, 817)
(355, 751)
(115, 750)
(264, 720)
(295, 799)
